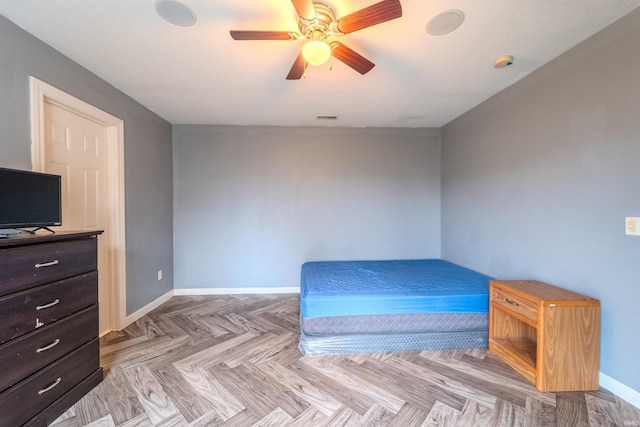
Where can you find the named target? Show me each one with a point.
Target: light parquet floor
(234, 361)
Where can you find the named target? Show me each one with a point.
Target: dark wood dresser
(49, 346)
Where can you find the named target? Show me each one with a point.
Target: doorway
(85, 146)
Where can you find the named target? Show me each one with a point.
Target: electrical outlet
(632, 226)
(159, 274)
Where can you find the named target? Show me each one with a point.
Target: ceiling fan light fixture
(316, 52)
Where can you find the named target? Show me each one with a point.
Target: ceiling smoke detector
(503, 61)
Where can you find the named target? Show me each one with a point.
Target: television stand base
(33, 231)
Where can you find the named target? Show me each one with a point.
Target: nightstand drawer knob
(512, 302)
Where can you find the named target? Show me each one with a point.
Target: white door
(76, 149)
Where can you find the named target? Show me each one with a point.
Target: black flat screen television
(29, 199)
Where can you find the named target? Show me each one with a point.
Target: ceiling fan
(319, 27)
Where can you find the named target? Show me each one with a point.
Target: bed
(399, 305)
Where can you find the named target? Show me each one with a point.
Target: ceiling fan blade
(305, 9)
(297, 70)
(378, 13)
(352, 58)
(261, 35)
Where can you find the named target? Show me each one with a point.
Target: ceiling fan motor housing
(319, 28)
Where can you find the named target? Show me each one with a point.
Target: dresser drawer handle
(512, 302)
(47, 264)
(51, 304)
(49, 387)
(48, 347)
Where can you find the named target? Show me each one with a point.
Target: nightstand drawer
(514, 303)
(43, 388)
(29, 353)
(23, 312)
(29, 266)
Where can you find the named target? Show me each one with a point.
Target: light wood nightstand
(548, 334)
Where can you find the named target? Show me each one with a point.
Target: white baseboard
(204, 291)
(623, 391)
(237, 291)
(147, 308)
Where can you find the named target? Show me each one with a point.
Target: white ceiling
(199, 75)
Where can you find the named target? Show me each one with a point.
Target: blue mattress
(342, 288)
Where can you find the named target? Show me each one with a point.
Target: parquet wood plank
(507, 414)
(539, 414)
(515, 390)
(254, 397)
(355, 383)
(185, 398)
(214, 354)
(153, 398)
(209, 419)
(312, 417)
(393, 380)
(345, 417)
(93, 407)
(409, 415)
(332, 386)
(245, 325)
(460, 391)
(242, 419)
(283, 397)
(377, 416)
(630, 414)
(257, 348)
(571, 409)
(163, 353)
(441, 415)
(68, 419)
(603, 413)
(223, 402)
(474, 414)
(276, 418)
(139, 421)
(122, 400)
(105, 421)
(280, 322)
(316, 397)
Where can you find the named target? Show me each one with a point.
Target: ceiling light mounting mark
(445, 22)
(175, 12)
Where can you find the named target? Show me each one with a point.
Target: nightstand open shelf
(549, 335)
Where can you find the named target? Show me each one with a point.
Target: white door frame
(41, 91)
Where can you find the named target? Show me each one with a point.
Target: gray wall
(251, 204)
(537, 182)
(148, 175)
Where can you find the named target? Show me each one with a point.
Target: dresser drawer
(25, 311)
(29, 353)
(41, 389)
(514, 303)
(29, 266)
